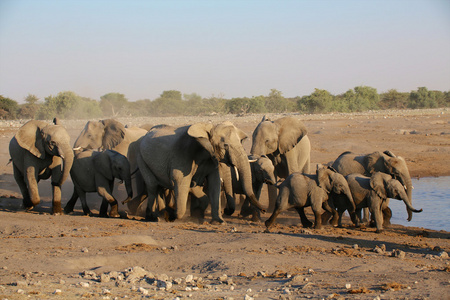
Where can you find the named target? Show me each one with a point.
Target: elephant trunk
(67, 156)
(245, 175)
(410, 209)
(406, 181)
(352, 208)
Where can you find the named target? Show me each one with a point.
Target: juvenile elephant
(386, 162)
(262, 171)
(113, 135)
(374, 192)
(286, 144)
(301, 190)
(38, 151)
(94, 171)
(184, 157)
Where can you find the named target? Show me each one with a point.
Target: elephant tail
(9, 161)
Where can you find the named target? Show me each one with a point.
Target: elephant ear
(30, 138)
(290, 132)
(114, 133)
(378, 183)
(323, 177)
(371, 160)
(201, 132)
(103, 164)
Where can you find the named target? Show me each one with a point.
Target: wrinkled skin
(285, 142)
(301, 190)
(113, 135)
(182, 158)
(373, 192)
(94, 171)
(40, 151)
(262, 171)
(386, 162)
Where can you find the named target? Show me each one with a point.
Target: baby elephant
(301, 190)
(94, 171)
(374, 192)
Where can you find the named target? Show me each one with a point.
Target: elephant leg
(71, 203)
(366, 215)
(269, 222)
(387, 215)
(86, 210)
(230, 208)
(272, 193)
(245, 209)
(214, 197)
(56, 202)
(107, 198)
(375, 209)
(32, 184)
(18, 176)
(199, 203)
(330, 210)
(305, 222)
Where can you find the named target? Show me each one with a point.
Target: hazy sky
(227, 48)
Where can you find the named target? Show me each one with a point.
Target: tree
(394, 99)
(319, 101)
(422, 98)
(112, 103)
(8, 108)
(62, 105)
(30, 109)
(361, 98)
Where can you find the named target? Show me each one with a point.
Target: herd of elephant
(176, 167)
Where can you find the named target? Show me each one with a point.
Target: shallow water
(432, 194)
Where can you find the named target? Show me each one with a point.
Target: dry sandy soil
(74, 256)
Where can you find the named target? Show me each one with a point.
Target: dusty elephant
(262, 171)
(38, 151)
(94, 171)
(374, 192)
(386, 162)
(184, 157)
(287, 145)
(301, 190)
(113, 135)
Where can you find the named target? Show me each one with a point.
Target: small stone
(311, 271)
(261, 273)
(398, 253)
(105, 278)
(247, 297)
(355, 246)
(189, 278)
(348, 286)
(142, 291)
(286, 291)
(21, 283)
(223, 278)
(297, 279)
(163, 277)
(85, 250)
(443, 254)
(84, 284)
(20, 291)
(57, 292)
(106, 292)
(62, 281)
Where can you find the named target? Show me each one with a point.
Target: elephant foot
(379, 231)
(114, 215)
(217, 222)
(228, 211)
(90, 214)
(256, 218)
(133, 206)
(103, 215)
(245, 211)
(152, 218)
(307, 224)
(68, 210)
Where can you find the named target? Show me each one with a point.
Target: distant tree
(172, 94)
(394, 99)
(422, 98)
(112, 103)
(8, 108)
(30, 109)
(361, 98)
(62, 106)
(319, 101)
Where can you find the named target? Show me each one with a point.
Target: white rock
(348, 286)
(84, 284)
(189, 278)
(57, 292)
(247, 297)
(142, 291)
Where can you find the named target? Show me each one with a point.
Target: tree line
(69, 105)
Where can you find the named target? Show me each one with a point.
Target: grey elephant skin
(113, 135)
(367, 164)
(374, 192)
(179, 158)
(95, 171)
(287, 145)
(38, 151)
(301, 190)
(262, 171)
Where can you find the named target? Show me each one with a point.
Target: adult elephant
(38, 151)
(367, 164)
(285, 142)
(184, 157)
(374, 192)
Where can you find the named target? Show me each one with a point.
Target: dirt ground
(73, 256)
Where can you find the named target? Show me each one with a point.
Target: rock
(84, 284)
(163, 277)
(89, 275)
(104, 278)
(223, 278)
(57, 292)
(297, 279)
(143, 291)
(311, 271)
(106, 292)
(348, 286)
(136, 273)
(85, 250)
(398, 253)
(20, 291)
(189, 278)
(261, 273)
(247, 297)
(443, 254)
(355, 246)
(21, 283)
(286, 291)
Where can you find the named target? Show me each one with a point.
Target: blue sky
(222, 48)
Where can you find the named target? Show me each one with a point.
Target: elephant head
(105, 134)
(43, 140)
(262, 169)
(331, 181)
(224, 143)
(112, 164)
(388, 163)
(387, 187)
(277, 136)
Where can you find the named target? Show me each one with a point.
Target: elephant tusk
(237, 173)
(77, 149)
